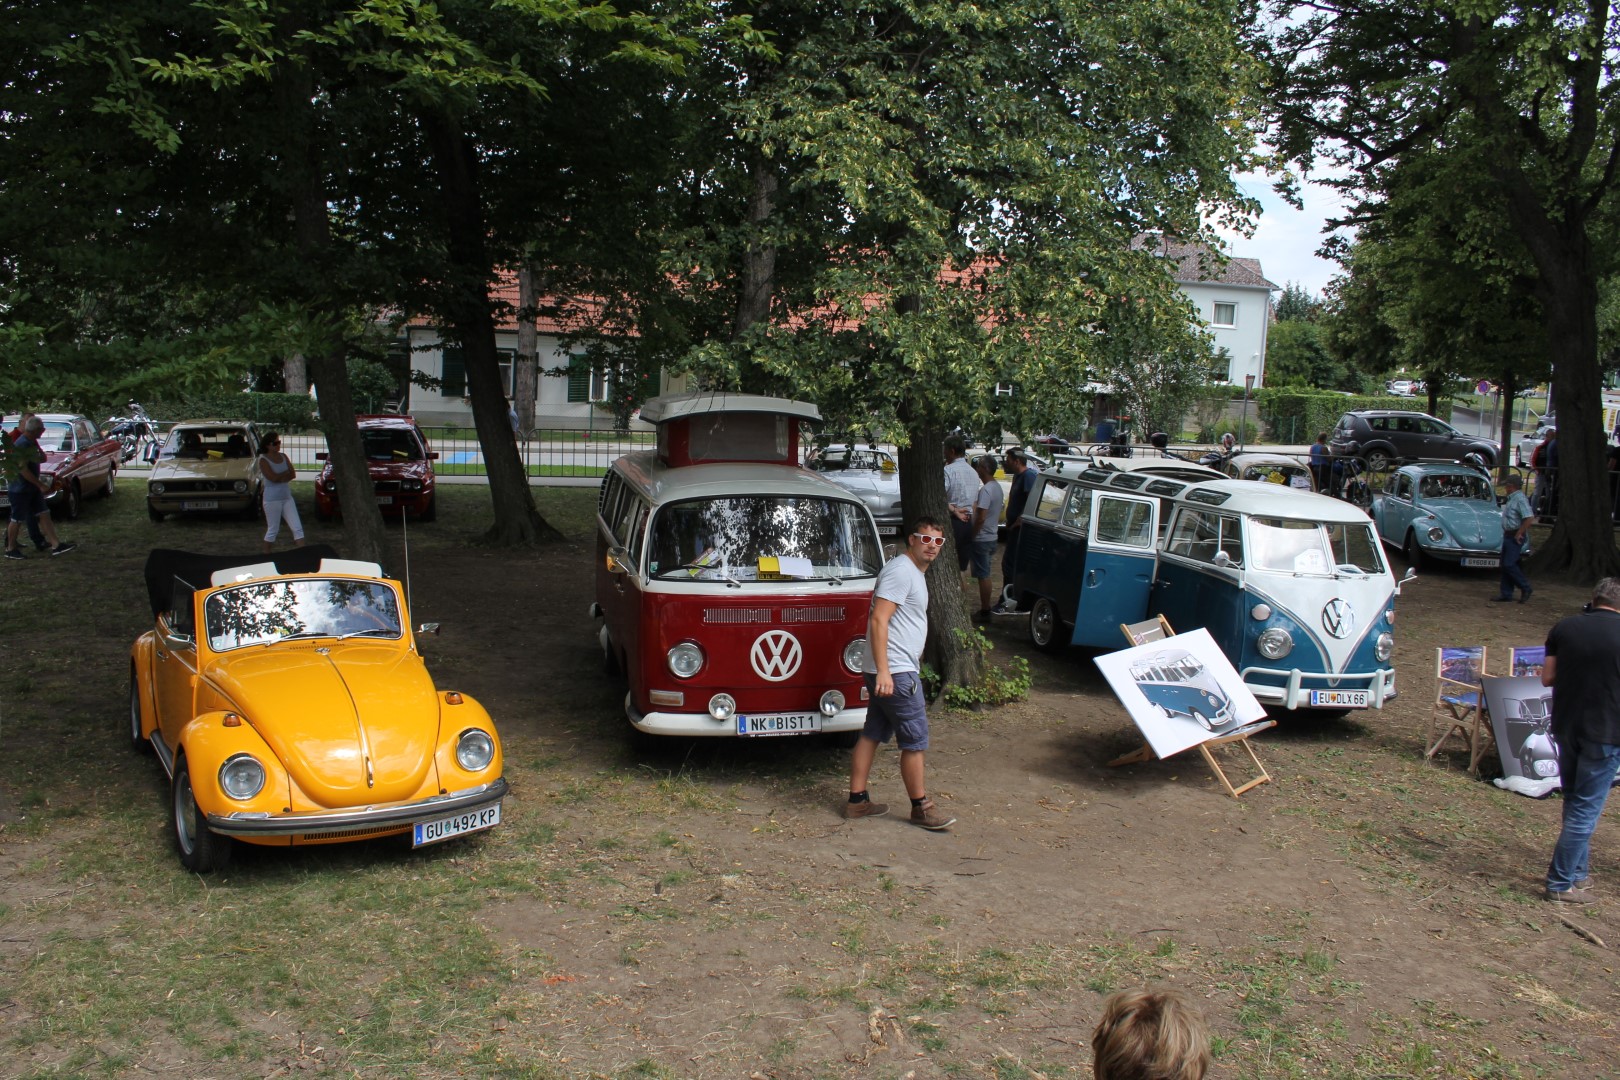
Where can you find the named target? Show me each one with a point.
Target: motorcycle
(1350, 482)
(133, 432)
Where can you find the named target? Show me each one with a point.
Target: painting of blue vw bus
(1176, 683)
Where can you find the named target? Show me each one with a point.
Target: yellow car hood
(203, 469)
(354, 724)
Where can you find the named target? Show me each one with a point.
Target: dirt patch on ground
(701, 909)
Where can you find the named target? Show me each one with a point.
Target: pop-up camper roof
(716, 426)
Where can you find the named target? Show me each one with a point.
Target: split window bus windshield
(763, 538)
(1312, 547)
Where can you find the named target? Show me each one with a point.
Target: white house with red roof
(1233, 302)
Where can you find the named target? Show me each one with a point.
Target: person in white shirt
(961, 486)
(986, 517)
(895, 634)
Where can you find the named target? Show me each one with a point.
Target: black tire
(1412, 550)
(137, 741)
(72, 502)
(112, 482)
(1202, 720)
(155, 515)
(431, 513)
(201, 851)
(1045, 626)
(1379, 460)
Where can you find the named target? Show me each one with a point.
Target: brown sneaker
(868, 808)
(928, 816)
(1576, 895)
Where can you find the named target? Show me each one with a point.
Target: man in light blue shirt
(896, 632)
(1517, 517)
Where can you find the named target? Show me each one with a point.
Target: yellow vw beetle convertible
(289, 706)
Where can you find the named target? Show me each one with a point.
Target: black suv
(1384, 437)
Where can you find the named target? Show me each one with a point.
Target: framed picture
(1527, 660)
(1521, 720)
(1180, 691)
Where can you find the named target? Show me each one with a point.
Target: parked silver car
(870, 473)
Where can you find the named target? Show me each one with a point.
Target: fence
(556, 452)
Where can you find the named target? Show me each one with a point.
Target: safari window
(1050, 506)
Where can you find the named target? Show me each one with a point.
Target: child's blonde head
(1150, 1035)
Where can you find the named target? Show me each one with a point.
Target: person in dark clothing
(27, 493)
(1583, 667)
(1017, 466)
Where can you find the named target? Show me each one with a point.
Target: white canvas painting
(1521, 720)
(1180, 690)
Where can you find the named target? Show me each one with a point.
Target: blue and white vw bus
(1291, 585)
(1176, 682)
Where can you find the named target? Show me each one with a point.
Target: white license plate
(888, 530)
(1484, 564)
(200, 504)
(779, 724)
(385, 500)
(1340, 699)
(431, 832)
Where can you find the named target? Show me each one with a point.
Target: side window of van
(610, 488)
(638, 530)
(1077, 512)
(1202, 534)
(1050, 506)
(624, 518)
(1121, 521)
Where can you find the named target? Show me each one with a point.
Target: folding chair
(1157, 629)
(1459, 703)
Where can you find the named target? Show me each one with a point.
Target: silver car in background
(868, 472)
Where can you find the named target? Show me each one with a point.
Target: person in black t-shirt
(1583, 668)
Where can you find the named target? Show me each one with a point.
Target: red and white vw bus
(732, 584)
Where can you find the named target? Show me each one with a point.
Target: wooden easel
(1157, 629)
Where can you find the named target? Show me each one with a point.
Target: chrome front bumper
(1380, 685)
(365, 819)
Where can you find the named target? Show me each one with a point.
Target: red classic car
(79, 461)
(401, 468)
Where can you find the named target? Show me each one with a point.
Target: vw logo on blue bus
(1339, 618)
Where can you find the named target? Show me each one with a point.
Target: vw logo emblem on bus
(776, 655)
(1338, 618)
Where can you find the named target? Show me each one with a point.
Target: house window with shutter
(453, 377)
(584, 384)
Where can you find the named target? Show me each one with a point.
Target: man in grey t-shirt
(895, 634)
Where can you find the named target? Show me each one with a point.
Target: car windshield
(837, 459)
(56, 436)
(1457, 487)
(1312, 547)
(762, 538)
(206, 444)
(262, 612)
(391, 446)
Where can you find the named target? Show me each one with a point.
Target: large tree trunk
(528, 349)
(922, 494)
(294, 374)
(362, 520)
(468, 310)
(759, 257)
(1581, 549)
(1505, 433)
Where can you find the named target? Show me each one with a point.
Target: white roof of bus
(1275, 500)
(663, 483)
(661, 410)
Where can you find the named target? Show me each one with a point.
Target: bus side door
(1119, 564)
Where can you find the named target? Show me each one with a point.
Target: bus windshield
(763, 538)
(1312, 547)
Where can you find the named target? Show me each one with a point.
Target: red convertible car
(79, 461)
(401, 468)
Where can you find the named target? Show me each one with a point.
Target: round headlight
(241, 777)
(855, 655)
(722, 706)
(475, 749)
(410, 485)
(1437, 534)
(1384, 648)
(241, 487)
(832, 703)
(155, 488)
(1260, 612)
(685, 659)
(1275, 643)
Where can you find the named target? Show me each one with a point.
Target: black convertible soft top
(163, 565)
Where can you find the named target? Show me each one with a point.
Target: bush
(1246, 432)
(283, 412)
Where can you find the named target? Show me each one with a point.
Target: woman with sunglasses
(278, 472)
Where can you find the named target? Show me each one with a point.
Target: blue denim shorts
(903, 714)
(26, 501)
(982, 552)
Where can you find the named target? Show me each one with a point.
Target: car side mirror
(428, 628)
(618, 561)
(321, 455)
(433, 455)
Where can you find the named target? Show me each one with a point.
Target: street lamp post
(1248, 388)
